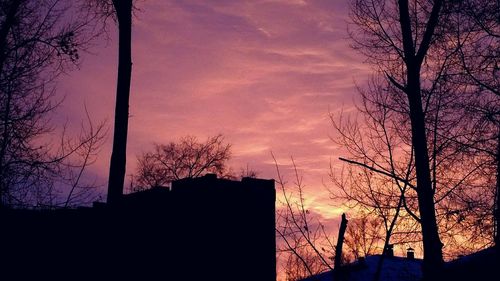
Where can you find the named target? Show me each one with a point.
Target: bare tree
(82, 152)
(307, 245)
(187, 158)
(303, 238)
(304, 241)
(380, 176)
(364, 235)
(479, 71)
(37, 44)
(414, 104)
(398, 38)
(379, 190)
(302, 264)
(413, 47)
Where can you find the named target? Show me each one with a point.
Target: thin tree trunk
(338, 249)
(123, 10)
(387, 240)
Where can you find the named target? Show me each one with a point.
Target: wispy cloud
(263, 73)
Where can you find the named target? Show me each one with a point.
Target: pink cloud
(263, 73)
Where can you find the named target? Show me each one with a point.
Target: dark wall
(202, 229)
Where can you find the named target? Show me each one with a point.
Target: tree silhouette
(378, 144)
(480, 60)
(187, 158)
(413, 59)
(36, 45)
(397, 38)
(305, 241)
(363, 235)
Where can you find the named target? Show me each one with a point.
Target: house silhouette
(199, 229)
(393, 268)
(483, 265)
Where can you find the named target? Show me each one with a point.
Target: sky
(265, 74)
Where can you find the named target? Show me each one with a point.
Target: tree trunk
(338, 249)
(433, 259)
(123, 9)
(433, 256)
(387, 240)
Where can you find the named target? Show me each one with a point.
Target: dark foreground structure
(393, 269)
(200, 229)
(483, 265)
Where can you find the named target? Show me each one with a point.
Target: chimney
(410, 253)
(210, 176)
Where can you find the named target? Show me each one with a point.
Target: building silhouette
(199, 229)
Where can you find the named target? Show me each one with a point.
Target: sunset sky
(265, 74)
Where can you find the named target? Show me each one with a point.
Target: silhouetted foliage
(187, 158)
